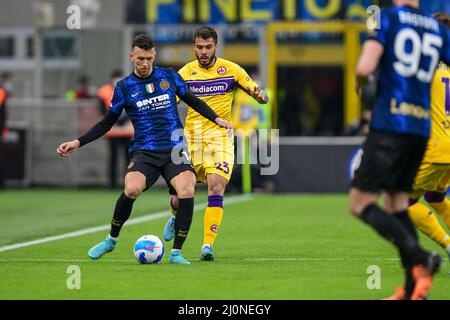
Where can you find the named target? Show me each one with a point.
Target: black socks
(407, 263)
(183, 221)
(396, 230)
(121, 214)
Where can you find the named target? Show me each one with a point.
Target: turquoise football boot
(207, 253)
(97, 251)
(176, 257)
(169, 229)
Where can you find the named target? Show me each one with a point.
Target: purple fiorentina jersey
(215, 86)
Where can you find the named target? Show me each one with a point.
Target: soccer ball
(149, 249)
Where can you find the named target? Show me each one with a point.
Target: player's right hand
(66, 148)
(224, 124)
(358, 87)
(259, 95)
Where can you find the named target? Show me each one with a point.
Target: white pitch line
(72, 260)
(145, 218)
(294, 259)
(248, 259)
(61, 260)
(316, 259)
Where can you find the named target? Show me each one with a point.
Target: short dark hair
(143, 41)
(205, 33)
(443, 17)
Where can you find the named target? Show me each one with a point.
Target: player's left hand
(259, 95)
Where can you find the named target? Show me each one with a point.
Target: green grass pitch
(270, 247)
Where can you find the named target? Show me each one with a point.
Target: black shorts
(389, 162)
(153, 164)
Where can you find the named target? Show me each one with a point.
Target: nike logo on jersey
(135, 94)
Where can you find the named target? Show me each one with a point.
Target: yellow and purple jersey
(215, 86)
(438, 150)
(434, 172)
(210, 146)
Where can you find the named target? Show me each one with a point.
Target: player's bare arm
(259, 95)
(368, 62)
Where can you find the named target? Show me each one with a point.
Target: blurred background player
(399, 131)
(253, 118)
(83, 89)
(433, 178)
(120, 134)
(6, 82)
(148, 96)
(211, 148)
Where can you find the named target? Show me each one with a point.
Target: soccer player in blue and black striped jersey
(406, 46)
(148, 96)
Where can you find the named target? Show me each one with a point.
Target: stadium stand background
(303, 49)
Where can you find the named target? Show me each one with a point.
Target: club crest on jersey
(150, 88)
(164, 85)
(221, 70)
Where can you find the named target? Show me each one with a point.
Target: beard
(143, 73)
(209, 63)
